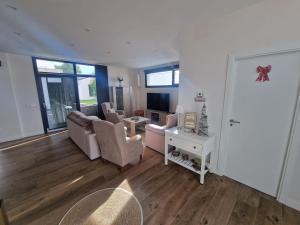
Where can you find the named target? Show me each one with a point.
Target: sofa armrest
(113, 118)
(155, 129)
(135, 148)
(93, 117)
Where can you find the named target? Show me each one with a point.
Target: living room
(138, 112)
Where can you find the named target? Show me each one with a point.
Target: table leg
(132, 129)
(166, 153)
(203, 160)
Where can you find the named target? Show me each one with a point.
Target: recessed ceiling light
(12, 7)
(87, 29)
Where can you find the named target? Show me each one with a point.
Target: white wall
(129, 84)
(270, 25)
(9, 121)
(20, 112)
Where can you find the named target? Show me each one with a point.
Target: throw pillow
(171, 121)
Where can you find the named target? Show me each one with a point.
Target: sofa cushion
(111, 111)
(156, 129)
(82, 120)
(171, 120)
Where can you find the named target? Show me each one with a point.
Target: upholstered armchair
(155, 135)
(112, 115)
(115, 146)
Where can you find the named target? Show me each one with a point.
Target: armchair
(112, 115)
(115, 146)
(155, 135)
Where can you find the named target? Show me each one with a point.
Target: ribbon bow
(263, 73)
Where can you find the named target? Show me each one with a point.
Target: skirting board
(291, 203)
(14, 138)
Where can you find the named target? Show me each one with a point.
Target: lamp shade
(179, 109)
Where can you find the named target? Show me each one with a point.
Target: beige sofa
(155, 135)
(115, 146)
(82, 133)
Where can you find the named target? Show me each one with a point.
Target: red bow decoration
(263, 73)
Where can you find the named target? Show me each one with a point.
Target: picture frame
(190, 120)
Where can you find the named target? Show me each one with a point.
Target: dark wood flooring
(40, 181)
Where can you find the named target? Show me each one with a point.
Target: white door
(257, 145)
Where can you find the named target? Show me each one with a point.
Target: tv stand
(156, 117)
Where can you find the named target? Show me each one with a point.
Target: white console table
(191, 144)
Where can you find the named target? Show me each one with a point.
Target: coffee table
(133, 123)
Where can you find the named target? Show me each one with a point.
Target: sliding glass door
(59, 100)
(64, 87)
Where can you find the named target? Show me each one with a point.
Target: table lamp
(179, 111)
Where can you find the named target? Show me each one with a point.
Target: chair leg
(121, 169)
(3, 216)
(141, 158)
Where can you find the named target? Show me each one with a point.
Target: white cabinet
(192, 144)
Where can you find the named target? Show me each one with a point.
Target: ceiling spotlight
(12, 7)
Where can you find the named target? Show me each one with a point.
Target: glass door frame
(38, 79)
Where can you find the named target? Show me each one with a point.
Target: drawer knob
(194, 147)
(170, 139)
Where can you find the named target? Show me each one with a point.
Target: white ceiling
(132, 33)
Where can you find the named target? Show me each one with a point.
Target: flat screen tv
(158, 101)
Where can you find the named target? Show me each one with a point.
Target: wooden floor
(40, 181)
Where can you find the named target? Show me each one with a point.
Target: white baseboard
(12, 138)
(290, 202)
(33, 134)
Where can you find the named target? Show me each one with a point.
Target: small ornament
(203, 125)
(185, 157)
(200, 97)
(196, 163)
(120, 79)
(263, 73)
(176, 153)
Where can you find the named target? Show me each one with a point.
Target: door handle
(232, 121)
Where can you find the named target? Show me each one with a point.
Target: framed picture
(190, 120)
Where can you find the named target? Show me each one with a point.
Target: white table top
(141, 120)
(175, 131)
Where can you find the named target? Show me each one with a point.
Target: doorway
(63, 87)
(258, 118)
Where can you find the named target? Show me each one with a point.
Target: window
(162, 77)
(87, 91)
(81, 79)
(55, 67)
(85, 69)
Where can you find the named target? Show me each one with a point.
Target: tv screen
(158, 101)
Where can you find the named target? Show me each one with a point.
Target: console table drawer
(183, 144)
